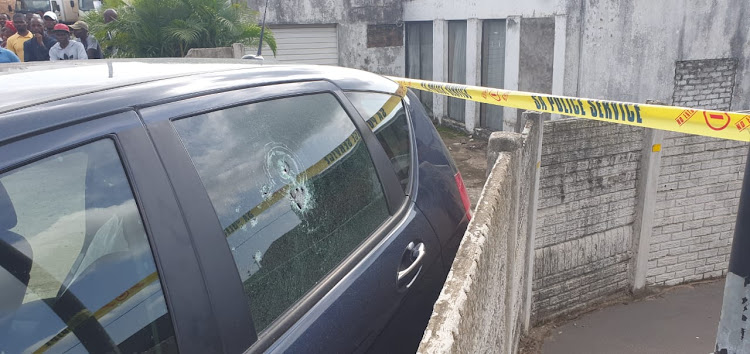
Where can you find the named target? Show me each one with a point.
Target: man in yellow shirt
(15, 42)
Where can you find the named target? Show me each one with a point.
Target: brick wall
(704, 83)
(586, 210)
(587, 199)
(699, 183)
(697, 198)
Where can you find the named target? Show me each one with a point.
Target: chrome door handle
(417, 252)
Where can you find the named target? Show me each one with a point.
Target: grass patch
(450, 133)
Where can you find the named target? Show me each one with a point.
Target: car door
(94, 252)
(319, 240)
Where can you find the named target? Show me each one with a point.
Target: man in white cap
(50, 20)
(81, 31)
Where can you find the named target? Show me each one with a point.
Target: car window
(76, 269)
(386, 117)
(294, 188)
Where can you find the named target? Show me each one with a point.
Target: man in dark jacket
(37, 48)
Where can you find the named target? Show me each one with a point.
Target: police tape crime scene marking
(717, 124)
(83, 315)
(375, 123)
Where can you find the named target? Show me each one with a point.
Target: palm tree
(169, 28)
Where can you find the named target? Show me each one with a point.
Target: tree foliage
(169, 28)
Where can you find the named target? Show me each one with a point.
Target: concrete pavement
(680, 320)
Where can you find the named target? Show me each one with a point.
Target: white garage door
(303, 45)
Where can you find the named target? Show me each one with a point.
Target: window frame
(202, 218)
(147, 183)
(410, 189)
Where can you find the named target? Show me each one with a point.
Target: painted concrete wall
(537, 48)
(593, 233)
(586, 211)
(351, 18)
(626, 50)
(481, 306)
(428, 10)
(621, 50)
(536, 54)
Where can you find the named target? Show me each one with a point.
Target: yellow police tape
(376, 122)
(85, 314)
(717, 124)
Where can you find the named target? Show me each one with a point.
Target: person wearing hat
(5, 33)
(3, 19)
(81, 31)
(15, 42)
(37, 49)
(50, 20)
(65, 49)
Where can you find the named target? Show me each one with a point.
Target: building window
(419, 56)
(493, 70)
(456, 66)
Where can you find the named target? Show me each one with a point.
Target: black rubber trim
(394, 194)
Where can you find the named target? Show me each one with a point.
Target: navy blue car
(203, 207)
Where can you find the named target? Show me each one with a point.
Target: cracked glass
(294, 188)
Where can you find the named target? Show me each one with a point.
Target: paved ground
(683, 319)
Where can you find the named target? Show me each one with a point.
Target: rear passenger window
(76, 269)
(294, 188)
(386, 117)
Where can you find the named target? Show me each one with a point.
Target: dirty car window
(386, 117)
(76, 269)
(294, 188)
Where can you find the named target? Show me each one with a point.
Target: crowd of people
(31, 37)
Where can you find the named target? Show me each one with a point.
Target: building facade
(608, 49)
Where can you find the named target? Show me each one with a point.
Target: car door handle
(414, 254)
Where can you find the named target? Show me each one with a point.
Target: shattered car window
(294, 188)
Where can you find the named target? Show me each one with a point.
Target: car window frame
(147, 181)
(179, 166)
(411, 188)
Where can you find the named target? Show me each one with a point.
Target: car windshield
(86, 5)
(35, 5)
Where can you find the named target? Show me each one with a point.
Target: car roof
(29, 84)
(77, 89)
